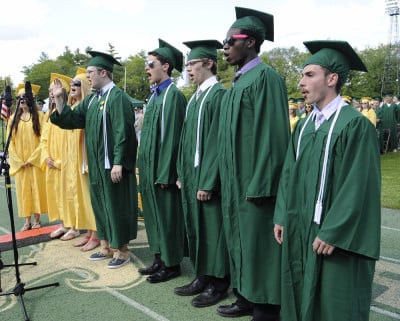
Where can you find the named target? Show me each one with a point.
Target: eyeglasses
(230, 41)
(191, 63)
(21, 97)
(149, 63)
(75, 83)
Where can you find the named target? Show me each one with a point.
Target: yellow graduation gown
(75, 183)
(51, 143)
(29, 181)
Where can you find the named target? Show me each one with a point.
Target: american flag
(5, 111)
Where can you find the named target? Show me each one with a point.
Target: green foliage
(390, 180)
(188, 91)
(225, 71)
(131, 76)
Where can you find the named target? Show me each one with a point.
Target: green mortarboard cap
(377, 98)
(259, 23)
(388, 94)
(336, 56)
(301, 100)
(291, 100)
(203, 49)
(102, 60)
(170, 53)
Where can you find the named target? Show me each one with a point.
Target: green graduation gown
(389, 116)
(335, 287)
(157, 156)
(114, 204)
(203, 220)
(253, 138)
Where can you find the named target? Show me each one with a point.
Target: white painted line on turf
(387, 313)
(136, 305)
(389, 259)
(391, 228)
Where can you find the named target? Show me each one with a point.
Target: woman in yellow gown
(51, 144)
(74, 172)
(293, 117)
(24, 159)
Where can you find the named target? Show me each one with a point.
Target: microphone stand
(19, 289)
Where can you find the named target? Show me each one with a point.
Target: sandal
(36, 225)
(58, 232)
(91, 244)
(26, 227)
(70, 235)
(83, 241)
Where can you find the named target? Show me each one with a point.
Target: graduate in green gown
(388, 115)
(202, 209)
(253, 138)
(328, 207)
(108, 120)
(159, 143)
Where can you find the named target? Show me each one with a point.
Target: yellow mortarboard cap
(21, 89)
(65, 80)
(80, 70)
(366, 99)
(292, 105)
(346, 98)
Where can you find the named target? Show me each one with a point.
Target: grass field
(391, 180)
(89, 291)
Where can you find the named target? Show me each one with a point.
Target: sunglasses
(230, 41)
(149, 63)
(75, 83)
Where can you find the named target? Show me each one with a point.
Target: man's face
(235, 49)
(156, 72)
(95, 76)
(388, 99)
(314, 84)
(197, 70)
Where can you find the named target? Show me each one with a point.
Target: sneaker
(26, 227)
(36, 225)
(117, 263)
(98, 256)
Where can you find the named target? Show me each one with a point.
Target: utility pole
(391, 77)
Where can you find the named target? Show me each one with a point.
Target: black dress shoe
(233, 310)
(209, 297)
(195, 287)
(164, 274)
(155, 267)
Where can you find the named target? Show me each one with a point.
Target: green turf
(66, 303)
(390, 164)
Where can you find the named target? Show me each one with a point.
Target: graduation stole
(319, 203)
(197, 153)
(162, 109)
(107, 164)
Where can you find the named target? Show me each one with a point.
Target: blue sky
(30, 27)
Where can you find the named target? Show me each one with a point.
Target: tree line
(131, 75)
